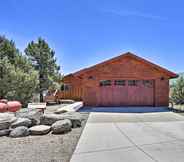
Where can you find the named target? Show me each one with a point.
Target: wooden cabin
(126, 80)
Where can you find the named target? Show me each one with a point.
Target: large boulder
(6, 119)
(75, 117)
(61, 126)
(19, 132)
(21, 122)
(40, 129)
(4, 132)
(33, 115)
(49, 119)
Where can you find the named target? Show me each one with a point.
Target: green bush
(177, 91)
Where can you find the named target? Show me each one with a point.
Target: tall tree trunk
(41, 97)
(40, 86)
(1, 77)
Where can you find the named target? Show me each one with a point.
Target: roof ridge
(130, 54)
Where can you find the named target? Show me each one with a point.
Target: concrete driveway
(132, 137)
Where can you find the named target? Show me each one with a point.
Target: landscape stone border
(36, 123)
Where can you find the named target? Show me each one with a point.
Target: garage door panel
(106, 96)
(139, 93)
(120, 95)
(133, 93)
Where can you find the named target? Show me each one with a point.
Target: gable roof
(128, 54)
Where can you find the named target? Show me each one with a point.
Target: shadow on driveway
(125, 109)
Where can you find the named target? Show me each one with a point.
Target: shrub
(177, 91)
(16, 83)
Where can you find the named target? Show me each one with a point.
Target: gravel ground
(46, 148)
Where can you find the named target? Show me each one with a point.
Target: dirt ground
(46, 148)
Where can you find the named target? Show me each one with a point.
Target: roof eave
(170, 74)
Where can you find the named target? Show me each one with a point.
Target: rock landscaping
(40, 130)
(49, 119)
(4, 132)
(37, 123)
(50, 147)
(21, 122)
(6, 119)
(34, 116)
(75, 118)
(61, 126)
(21, 131)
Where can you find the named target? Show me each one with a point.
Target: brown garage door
(126, 92)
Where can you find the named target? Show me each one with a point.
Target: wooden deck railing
(73, 93)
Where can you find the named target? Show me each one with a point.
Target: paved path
(132, 137)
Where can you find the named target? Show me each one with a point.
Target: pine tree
(44, 61)
(18, 79)
(8, 49)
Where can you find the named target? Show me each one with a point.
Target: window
(162, 78)
(91, 78)
(132, 82)
(105, 83)
(65, 87)
(120, 82)
(148, 83)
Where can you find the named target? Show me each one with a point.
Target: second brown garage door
(126, 93)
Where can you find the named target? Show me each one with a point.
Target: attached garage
(126, 92)
(126, 80)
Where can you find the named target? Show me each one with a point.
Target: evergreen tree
(18, 79)
(44, 61)
(8, 49)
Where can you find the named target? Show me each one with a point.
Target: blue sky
(86, 32)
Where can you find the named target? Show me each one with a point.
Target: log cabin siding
(86, 83)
